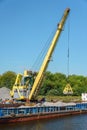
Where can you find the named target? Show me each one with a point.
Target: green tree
(7, 79)
(53, 84)
(78, 83)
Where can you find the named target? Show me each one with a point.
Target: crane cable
(68, 50)
(43, 52)
(68, 89)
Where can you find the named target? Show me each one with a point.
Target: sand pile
(4, 93)
(55, 104)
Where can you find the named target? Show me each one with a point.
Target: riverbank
(5, 94)
(67, 98)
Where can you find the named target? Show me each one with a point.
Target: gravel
(4, 93)
(55, 104)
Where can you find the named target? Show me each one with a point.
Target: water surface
(77, 122)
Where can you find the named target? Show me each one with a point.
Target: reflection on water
(78, 122)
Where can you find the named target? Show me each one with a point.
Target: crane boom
(44, 65)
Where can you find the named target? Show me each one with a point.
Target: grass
(67, 98)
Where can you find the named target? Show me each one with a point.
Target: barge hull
(24, 118)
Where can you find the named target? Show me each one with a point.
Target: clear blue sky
(25, 26)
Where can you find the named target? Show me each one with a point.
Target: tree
(78, 83)
(53, 84)
(7, 79)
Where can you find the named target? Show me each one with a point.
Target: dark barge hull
(24, 118)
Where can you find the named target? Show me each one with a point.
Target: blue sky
(25, 26)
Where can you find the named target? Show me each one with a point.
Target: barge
(27, 113)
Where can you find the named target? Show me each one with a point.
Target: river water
(76, 122)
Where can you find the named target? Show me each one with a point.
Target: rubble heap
(4, 93)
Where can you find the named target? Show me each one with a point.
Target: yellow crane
(22, 85)
(37, 78)
(40, 75)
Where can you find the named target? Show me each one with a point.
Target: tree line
(53, 83)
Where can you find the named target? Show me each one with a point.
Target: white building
(84, 97)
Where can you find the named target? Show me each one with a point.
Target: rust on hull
(31, 117)
(11, 105)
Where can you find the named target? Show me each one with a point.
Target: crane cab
(23, 85)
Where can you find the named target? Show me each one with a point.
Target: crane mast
(46, 60)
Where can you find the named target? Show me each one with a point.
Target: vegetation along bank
(53, 84)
